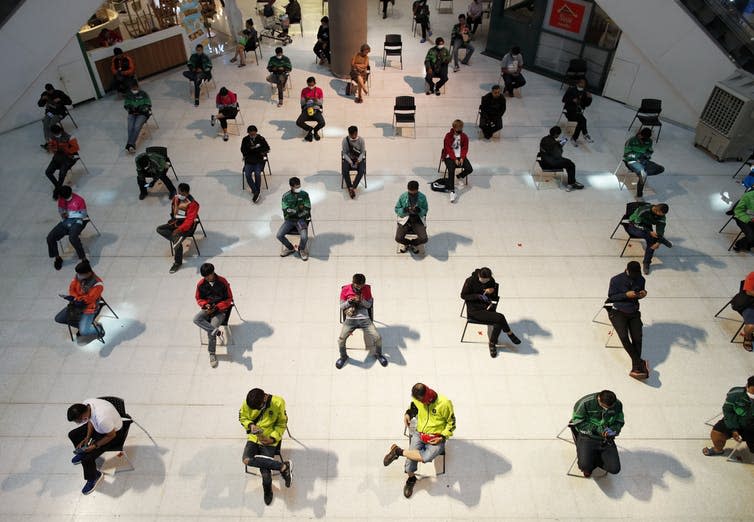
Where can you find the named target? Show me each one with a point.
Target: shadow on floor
(654, 465)
(393, 341)
(322, 244)
(288, 128)
(441, 245)
(245, 335)
(415, 83)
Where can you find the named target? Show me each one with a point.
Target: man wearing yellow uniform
(435, 423)
(264, 419)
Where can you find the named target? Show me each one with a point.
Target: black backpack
(439, 185)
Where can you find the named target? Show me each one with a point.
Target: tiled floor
(549, 250)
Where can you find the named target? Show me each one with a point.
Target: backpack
(268, 11)
(439, 185)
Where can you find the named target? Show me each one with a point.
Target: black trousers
(496, 319)
(88, 462)
(166, 231)
(317, 116)
(262, 457)
(442, 73)
(490, 124)
(141, 180)
(746, 242)
(197, 78)
(465, 167)
(62, 229)
(322, 51)
(580, 123)
(629, 330)
(513, 81)
(62, 164)
(594, 453)
(562, 163)
(228, 112)
(414, 225)
(424, 24)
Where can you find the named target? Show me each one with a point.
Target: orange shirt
(749, 283)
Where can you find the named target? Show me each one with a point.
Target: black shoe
(174, 268)
(309, 136)
(341, 362)
(317, 137)
(665, 242)
(288, 473)
(513, 338)
(268, 495)
(382, 359)
(255, 197)
(408, 489)
(646, 269)
(493, 350)
(44, 146)
(437, 92)
(392, 455)
(58, 263)
(196, 102)
(142, 195)
(577, 185)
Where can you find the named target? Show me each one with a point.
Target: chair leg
(99, 233)
(725, 225)
(735, 335)
(616, 229)
(196, 245)
(723, 308)
(733, 243)
(625, 247)
(463, 334)
(712, 420)
(70, 331)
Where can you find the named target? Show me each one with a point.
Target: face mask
(134, 92)
(751, 395)
(296, 190)
(80, 277)
(278, 56)
(484, 281)
(69, 199)
(579, 89)
(181, 198)
(440, 47)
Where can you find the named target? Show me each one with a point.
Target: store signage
(193, 23)
(567, 17)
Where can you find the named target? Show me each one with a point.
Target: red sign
(567, 16)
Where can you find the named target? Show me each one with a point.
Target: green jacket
(590, 419)
(738, 410)
(402, 205)
(436, 57)
(437, 417)
(156, 163)
(296, 206)
(744, 210)
(635, 148)
(200, 61)
(644, 217)
(138, 103)
(273, 422)
(275, 63)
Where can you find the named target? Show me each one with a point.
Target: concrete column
(235, 19)
(348, 30)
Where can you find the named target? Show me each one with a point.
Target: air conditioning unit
(726, 126)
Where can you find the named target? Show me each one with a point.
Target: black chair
(474, 321)
(576, 71)
(120, 407)
(730, 213)
(732, 339)
(163, 151)
(572, 440)
(69, 115)
(748, 162)
(343, 181)
(538, 172)
(624, 222)
(86, 221)
(266, 169)
(404, 113)
(370, 311)
(649, 115)
(393, 47)
(442, 453)
(191, 234)
(100, 305)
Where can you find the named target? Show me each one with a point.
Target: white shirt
(104, 417)
(457, 145)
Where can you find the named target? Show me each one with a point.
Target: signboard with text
(567, 17)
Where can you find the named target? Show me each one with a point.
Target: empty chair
(404, 113)
(649, 115)
(393, 47)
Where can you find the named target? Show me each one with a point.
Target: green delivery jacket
(744, 210)
(590, 419)
(273, 422)
(437, 417)
(635, 148)
(296, 206)
(738, 410)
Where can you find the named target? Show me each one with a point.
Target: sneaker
(392, 455)
(233, 60)
(588, 138)
(225, 137)
(174, 268)
(303, 254)
(213, 360)
(77, 458)
(453, 197)
(58, 263)
(381, 358)
(268, 495)
(280, 103)
(429, 33)
(196, 102)
(142, 195)
(514, 339)
(212, 120)
(414, 249)
(636, 374)
(255, 197)
(401, 248)
(437, 92)
(341, 362)
(288, 473)
(456, 68)
(309, 136)
(574, 142)
(429, 91)
(317, 137)
(465, 63)
(568, 188)
(577, 185)
(91, 484)
(351, 193)
(646, 268)
(423, 40)
(587, 474)
(241, 65)
(493, 350)
(286, 252)
(408, 489)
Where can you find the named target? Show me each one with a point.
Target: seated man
(737, 422)
(322, 47)
(83, 302)
(226, 102)
(743, 303)
(355, 302)
(648, 223)
(279, 67)
(480, 293)
(510, 67)
(297, 212)
(311, 109)
(53, 101)
(254, 149)
(436, 66)
(455, 147)
(152, 165)
(411, 210)
(460, 38)
(64, 148)
(123, 69)
(72, 210)
(265, 420)
(139, 108)
(248, 42)
(353, 157)
(360, 71)
(431, 422)
(743, 213)
(575, 100)
(215, 298)
(183, 213)
(491, 111)
(551, 157)
(637, 154)
(597, 419)
(474, 13)
(100, 430)
(199, 70)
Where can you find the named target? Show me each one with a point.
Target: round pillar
(348, 30)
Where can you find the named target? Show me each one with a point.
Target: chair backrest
(631, 208)
(370, 312)
(393, 40)
(577, 65)
(405, 103)
(119, 404)
(227, 315)
(162, 151)
(650, 106)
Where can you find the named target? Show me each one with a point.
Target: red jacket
(91, 298)
(121, 61)
(218, 294)
(229, 100)
(66, 144)
(192, 212)
(447, 145)
(347, 292)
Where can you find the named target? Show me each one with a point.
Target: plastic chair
(392, 47)
(404, 114)
(624, 222)
(649, 115)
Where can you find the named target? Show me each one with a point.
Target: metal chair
(576, 71)
(570, 126)
(739, 446)
(624, 222)
(474, 321)
(237, 120)
(649, 115)
(203, 87)
(227, 333)
(100, 305)
(191, 234)
(85, 221)
(572, 440)
(264, 173)
(69, 115)
(120, 406)
(392, 47)
(726, 305)
(404, 114)
(286, 89)
(343, 181)
(163, 151)
(249, 470)
(407, 434)
(748, 162)
(538, 173)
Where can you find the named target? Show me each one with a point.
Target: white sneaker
(453, 197)
(588, 138)
(401, 249)
(461, 182)
(286, 252)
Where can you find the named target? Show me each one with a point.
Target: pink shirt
(76, 207)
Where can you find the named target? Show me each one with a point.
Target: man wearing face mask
(279, 67)
(72, 210)
(312, 99)
(637, 154)
(297, 210)
(431, 421)
(455, 147)
(53, 101)
(355, 302)
(353, 157)
(737, 422)
(64, 148)
(480, 292)
(460, 38)
(575, 100)
(214, 297)
(101, 429)
(183, 213)
(152, 165)
(83, 299)
(436, 65)
(139, 108)
(626, 289)
(648, 223)
(411, 209)
(254, 149)
(199, 70)
(597, 419)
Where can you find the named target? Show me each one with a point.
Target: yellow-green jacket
(437, 417)
(273, 421)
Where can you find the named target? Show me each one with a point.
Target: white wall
(38, 38)
(676, 60)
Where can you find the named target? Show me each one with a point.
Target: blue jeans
(643, 169)
(253, 174)
(86, 323)
(461, 45)
(302, 226)
(135, 123)
(640, 233)
(428, 451)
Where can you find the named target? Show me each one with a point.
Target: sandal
(748, 341)
(710, 452)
